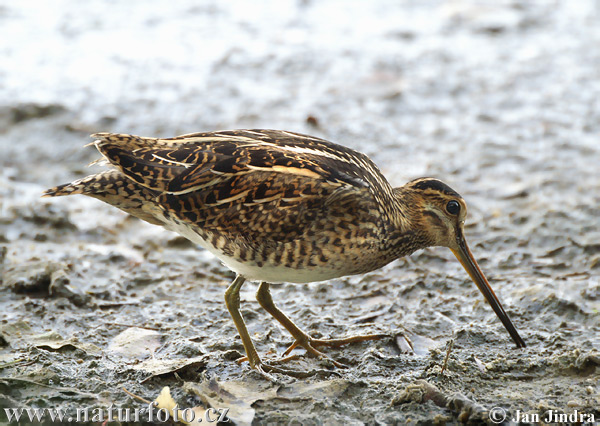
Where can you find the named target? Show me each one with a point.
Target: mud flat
(502, 102)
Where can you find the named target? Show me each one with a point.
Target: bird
(278, 206)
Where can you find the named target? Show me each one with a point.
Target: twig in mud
(44, 385)
(450, 345)
(118, 324)
(117, 304)
(21, 362)
(139, 398)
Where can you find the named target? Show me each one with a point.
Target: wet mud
(501, 101)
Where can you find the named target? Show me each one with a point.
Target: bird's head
(440, 213)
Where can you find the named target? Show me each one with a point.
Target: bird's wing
(185, 162)
(229, 180)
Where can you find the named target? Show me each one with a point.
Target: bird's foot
(310, 344)
(264, 368)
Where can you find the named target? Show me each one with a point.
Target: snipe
(278, 206)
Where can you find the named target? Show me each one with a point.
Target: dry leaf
(135, 342)
(188, 416)
(51, 340)
(19, 334)
(329, 389)
(237, 396)
(165, 400)
(480, 365)
(156, 367)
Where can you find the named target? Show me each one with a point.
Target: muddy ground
(500, 100)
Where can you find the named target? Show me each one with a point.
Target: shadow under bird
(277, 206)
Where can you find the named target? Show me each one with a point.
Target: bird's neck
(408, 222)
(406, 212)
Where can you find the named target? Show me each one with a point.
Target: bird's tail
(89, 185)
(114, 188)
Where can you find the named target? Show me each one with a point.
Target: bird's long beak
(464, 255)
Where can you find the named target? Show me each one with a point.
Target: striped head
(439, 213)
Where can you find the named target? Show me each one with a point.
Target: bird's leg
(232, 299)
(263, 295)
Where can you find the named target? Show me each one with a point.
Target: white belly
(276, 274)
(268, 272)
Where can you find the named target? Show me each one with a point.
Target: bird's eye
(453, 207)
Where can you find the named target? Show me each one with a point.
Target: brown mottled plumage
(278, 206)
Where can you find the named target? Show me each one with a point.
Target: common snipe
(278, 206)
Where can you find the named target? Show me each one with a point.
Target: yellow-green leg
(232, 299)
(263, 295)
